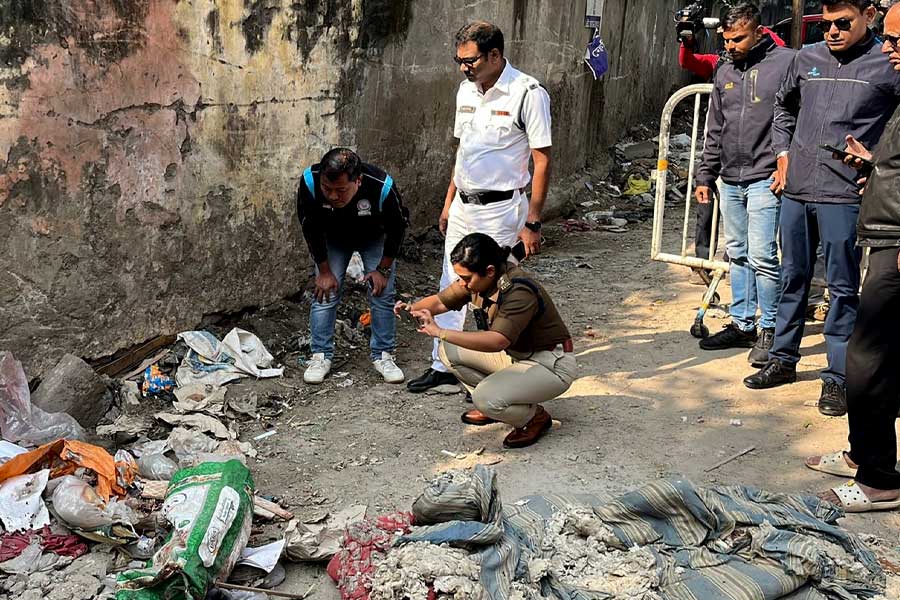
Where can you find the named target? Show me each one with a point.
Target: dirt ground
(647, 404)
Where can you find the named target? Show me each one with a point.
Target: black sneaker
(833, 400)
(773, 374)
(730, 337)
(760, 353)
(429, 379)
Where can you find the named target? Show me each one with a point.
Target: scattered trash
(21, 505)
(156, 467)
(239, 354)
(200, 397)
(79, 506)
(264, 558)
(20, 420)
(200, 422)
(265, 435)
(210, 510)
(637, 185)
(64, 457)
(320, 539)
(644, 149)
(345, 383)
(156, 382)
(13, 544)
(8, 450)
(573, 225)
(126, 425)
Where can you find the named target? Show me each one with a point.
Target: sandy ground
(647, 404)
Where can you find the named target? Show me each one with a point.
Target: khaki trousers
(507, 389)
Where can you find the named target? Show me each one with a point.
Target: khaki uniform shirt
(514, 313)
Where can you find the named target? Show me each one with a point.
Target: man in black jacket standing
(739, 149)
(873, 355)
(838, 87)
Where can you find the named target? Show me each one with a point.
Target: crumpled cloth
(13, 544)
(365, 543)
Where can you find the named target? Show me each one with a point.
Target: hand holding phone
(857, 162)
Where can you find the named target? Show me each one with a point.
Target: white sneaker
(318, 368)
(388, 368)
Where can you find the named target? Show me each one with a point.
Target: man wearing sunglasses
(502, 121)
(839, 87)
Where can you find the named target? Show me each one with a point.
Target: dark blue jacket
(738, 143)
(824, 97)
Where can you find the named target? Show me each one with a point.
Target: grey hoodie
(739, 123)
(824, 97)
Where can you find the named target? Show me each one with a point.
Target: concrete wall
(150, 149)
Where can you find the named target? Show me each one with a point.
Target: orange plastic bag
(64, 457)
(365, 319)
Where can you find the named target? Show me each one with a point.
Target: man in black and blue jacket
(839, 87)
(739, 150)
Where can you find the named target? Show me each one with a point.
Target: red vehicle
(812, 30)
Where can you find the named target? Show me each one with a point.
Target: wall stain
(256, 25)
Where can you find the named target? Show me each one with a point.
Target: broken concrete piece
(74, 388)
(645, 149)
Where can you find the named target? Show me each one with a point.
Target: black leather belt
(483, 198)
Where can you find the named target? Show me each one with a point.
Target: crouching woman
(522, 355)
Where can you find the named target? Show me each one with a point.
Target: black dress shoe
(759, 356)
(730, 337)
(429, 379)
(773, 374)
(833, 400)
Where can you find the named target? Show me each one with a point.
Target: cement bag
(210, 509)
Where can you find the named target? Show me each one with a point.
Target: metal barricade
(718, 267)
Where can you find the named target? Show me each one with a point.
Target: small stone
(735, 423)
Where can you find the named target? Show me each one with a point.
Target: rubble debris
(129, 425)
(188, 444)
(129, 393)
(72, 387)
(320, 539)
(409, 571)
(210, 509)
(644, 149)
(200, 422)
(200, 397)
(21, 421)
(21, 505)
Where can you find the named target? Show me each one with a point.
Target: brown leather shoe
(539, 424)
(477, 418)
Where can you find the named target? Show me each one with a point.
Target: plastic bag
(187, 445)
(210, 508)
(20, 420)
(21, 505)
(80, 507)
(157, 467)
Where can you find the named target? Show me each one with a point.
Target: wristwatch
(535, 226)
(385, 271)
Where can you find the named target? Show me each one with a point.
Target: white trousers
(501, 220)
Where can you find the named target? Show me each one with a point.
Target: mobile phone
(518, 251)
(409, 318)
(866, 164)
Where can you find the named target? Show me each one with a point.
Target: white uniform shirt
(493, 148)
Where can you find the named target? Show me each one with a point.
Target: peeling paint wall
(150, 149)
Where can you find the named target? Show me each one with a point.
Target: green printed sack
(210, 509)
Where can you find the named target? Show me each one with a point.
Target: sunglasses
(843, 24)
(893, 39)
(469, 62)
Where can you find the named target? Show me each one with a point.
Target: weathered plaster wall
(150, 149)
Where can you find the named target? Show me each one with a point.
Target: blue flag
(596, 56)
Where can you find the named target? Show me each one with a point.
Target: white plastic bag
(157, 467)
(80, 507)
(20, 420)
(21, 505)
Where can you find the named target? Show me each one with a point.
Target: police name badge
(364, 208)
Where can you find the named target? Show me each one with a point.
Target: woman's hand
(400, 305)
(428, 326)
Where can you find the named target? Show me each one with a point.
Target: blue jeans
(803, 226)
(750, 212)
(322, 315)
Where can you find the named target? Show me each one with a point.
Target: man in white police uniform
(502, 121)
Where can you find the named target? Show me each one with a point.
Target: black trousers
(873, 374)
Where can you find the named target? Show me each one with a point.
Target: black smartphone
(866, 164)
(518, 251)
(409, 318)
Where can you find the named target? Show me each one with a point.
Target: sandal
(854, 500)
(833, 464)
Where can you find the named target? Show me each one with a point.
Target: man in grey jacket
(839, 87)
(739, 149)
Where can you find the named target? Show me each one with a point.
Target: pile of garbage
(86, 516)
(625, 194)
(668, 539)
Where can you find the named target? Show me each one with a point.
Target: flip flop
(854, 500)
(833, 464)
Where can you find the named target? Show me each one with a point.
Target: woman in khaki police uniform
(522, 355)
